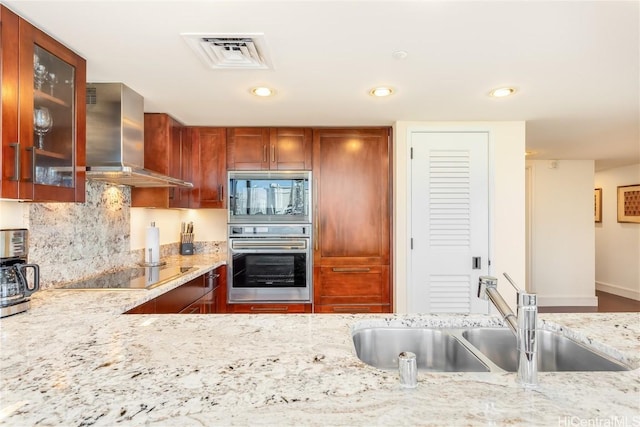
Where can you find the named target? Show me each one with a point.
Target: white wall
(507, 234)
(208, 224)
(562, 226)
(617, 244)
(14, 214)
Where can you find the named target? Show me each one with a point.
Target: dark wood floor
(607, 303)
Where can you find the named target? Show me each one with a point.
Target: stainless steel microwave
(269, 197)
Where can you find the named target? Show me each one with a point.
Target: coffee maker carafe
(16, 284)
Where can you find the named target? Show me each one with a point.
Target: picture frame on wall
(597, 204)
(629, 203)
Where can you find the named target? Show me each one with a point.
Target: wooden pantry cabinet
(269, 148)
(352, 223)
(43, 115)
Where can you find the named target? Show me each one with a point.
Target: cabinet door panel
(177, 299)
(247, 148)
(290, 149)
(148, 307)
(211, 159)
(352, 196)
(11, 149)
(269, 308)
(352, 308)
(352, 285)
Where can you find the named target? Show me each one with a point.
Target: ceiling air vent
(225, 51)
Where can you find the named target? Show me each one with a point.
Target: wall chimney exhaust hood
(115, 138)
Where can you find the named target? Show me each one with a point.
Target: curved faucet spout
(523, 325)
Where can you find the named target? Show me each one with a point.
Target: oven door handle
(265, 244)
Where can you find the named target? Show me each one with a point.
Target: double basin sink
(481, 349)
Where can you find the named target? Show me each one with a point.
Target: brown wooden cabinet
(205, 294)
(352, 197)
(43, 115)
(168, 153)
(269, 148)
(271, 308)
(209, 164)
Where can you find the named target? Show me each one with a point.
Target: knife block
(186, 248)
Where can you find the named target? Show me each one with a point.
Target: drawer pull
(351, 269)
(352, 309)
(270, 309)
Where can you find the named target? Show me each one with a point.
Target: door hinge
(411, 153)
(412, 243)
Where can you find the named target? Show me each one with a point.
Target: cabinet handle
(221, 192)
(16, 175)
(264, 154)
(351, 309)
(351, 269)
(273, 153)
(33, 164)
(270, 309)
(317, 219)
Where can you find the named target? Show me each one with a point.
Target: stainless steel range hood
(115, 138)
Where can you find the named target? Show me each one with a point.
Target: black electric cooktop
(131, 278)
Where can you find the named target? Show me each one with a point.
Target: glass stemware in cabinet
(42, 124)
(52, 79)
(39, 75)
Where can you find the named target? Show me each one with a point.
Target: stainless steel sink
(435, 349)
(555, 351)
(474, 350)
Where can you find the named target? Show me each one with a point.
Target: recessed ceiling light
(400, 54)
(381, 91)
(501, 92)
(262, 91)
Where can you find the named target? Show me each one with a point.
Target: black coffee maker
(16, 284)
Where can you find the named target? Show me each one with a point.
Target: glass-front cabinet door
(53, 120)
(55, 78)
(44, 158)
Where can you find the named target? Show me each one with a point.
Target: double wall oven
(269, 246)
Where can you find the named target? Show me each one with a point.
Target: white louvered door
(449, 221)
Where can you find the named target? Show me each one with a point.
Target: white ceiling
(575, 63)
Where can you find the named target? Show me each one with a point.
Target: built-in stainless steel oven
(269, 263)
(269, 197)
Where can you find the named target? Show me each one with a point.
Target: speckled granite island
(75, 360)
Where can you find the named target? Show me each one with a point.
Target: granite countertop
(74, 360)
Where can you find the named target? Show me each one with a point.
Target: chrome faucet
(523, 325)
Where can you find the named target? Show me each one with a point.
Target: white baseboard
(617, 290)
(567, 301)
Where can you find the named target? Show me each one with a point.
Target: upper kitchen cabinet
(209, 166)
(193, 154)
(269, 148)
(167, 152)
(352, 236)
(43, 115)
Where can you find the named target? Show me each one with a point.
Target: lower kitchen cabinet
(269, 308)
(148, 307)
(203, 295)
(357, 289)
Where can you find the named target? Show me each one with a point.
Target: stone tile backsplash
(71, 241)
